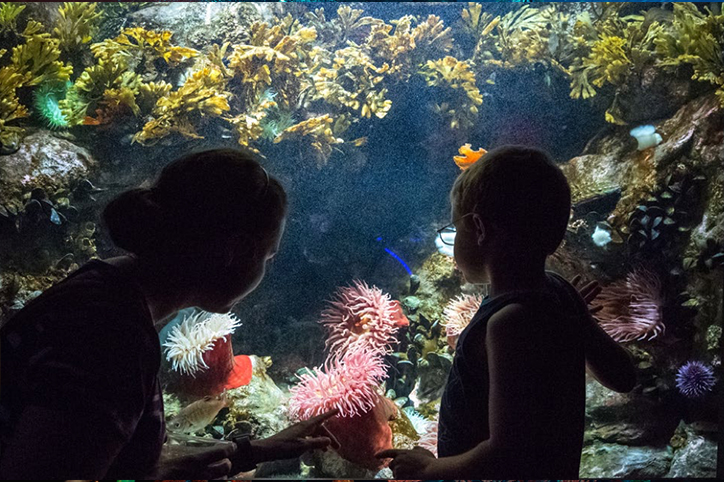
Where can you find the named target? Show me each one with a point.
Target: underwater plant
(457, 78)
(319, 130)
(9, 12)
(632, 308)
(694, 379)
(695, 38)
(77, 24)
(457, 315)
(10, 106)
(201, 96)
(37, 59)
(361, 316)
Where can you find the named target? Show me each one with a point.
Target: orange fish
(468, 156)
(399, 316)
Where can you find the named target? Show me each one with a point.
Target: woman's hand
(410, 464)
(295, 440)
(201, 463)
(588, 292)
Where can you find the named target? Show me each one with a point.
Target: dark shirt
(88, 346)
(557, 416)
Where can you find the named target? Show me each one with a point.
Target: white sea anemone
(188, 341)
(646, 136)
(601, 237)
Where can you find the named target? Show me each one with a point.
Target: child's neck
(506, 277)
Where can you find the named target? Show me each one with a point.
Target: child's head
(514, 203)
(214, 218)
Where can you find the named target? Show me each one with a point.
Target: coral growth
(361, 317)
(694, 379)
(632, 308)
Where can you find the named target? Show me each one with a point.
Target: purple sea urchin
(694, 379)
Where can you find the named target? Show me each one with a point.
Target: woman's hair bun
(132, 220)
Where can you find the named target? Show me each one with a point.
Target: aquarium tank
(367, 112)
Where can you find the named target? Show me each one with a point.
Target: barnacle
(77, 24)
(319, 130)
(455, 75)
(181, 111)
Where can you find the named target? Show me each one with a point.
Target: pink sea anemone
(349, 384)
(361, 316)
(457, 315)
(632, 308)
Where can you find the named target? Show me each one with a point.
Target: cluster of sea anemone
(632, 308)
(361, 322)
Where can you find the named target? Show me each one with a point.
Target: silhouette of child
(80, 392)
(513, 406)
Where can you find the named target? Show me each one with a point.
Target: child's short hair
(522, 191)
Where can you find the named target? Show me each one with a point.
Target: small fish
(361, 141)
(398, 315)
(468, 157)
(198, 415)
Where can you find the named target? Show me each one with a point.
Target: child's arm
(607, 361)
(509, 357)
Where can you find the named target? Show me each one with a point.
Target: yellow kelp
(77, 24)
(37, 59)
(697, 39)
(319, 131)
(9, 12)
(202, 96)
(455, 75)
(140, 45)
(270, 59)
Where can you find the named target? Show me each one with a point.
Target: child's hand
(588, 292)
(409, 464)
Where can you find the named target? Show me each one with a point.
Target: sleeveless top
(463, 417)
